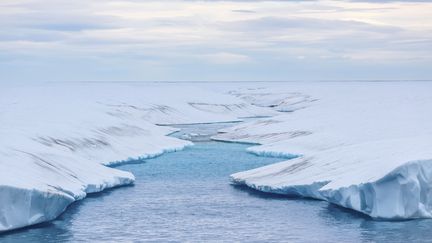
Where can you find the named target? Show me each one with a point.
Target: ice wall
(363, 146)
(57, 138)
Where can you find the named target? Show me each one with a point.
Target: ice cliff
(362, 146)
(57, 138)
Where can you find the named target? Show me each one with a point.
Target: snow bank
(57, 138)
(363, 146)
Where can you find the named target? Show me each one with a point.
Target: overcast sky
(104, 40)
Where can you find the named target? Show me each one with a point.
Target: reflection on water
(186, 196)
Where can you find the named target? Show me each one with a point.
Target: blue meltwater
(187, 196)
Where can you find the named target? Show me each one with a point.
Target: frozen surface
(363, 146)
(57, 138)
(185, 197)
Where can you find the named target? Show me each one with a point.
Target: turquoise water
(186, 196)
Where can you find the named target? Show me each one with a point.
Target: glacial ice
(57, 139)
(362, 146)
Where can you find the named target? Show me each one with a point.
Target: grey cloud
(243, 11)
(57, 21)
(274, 23)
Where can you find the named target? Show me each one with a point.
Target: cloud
(278, 23)
(243, 11)
(227, 58)
(266, 40)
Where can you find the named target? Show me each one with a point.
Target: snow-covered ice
(57, 138)
(363, 146)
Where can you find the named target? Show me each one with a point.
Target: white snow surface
(57, 138)
(363, 146)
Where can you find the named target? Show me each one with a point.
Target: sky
(238, 40)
